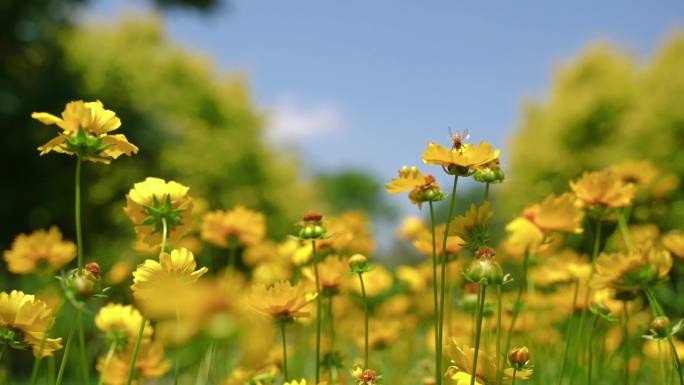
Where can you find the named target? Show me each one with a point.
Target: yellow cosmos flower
(603, 189)
(30, 251)
(121, 324)
(153, 199)
(461, 158)
(154, 283)
(24, 322)
(281, 300)
(422, 188)
(674, 241)
(85, 132)
(332, 272)
(630, 271)
(224, 228)
(149, 364)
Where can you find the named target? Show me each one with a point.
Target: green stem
(658, 311)
(365, 318)
(232, 257)
(567, 332)
(79, 233)
(85, 366)
(624, 230)
(434, 287)
(675, 356)
(625, 341)
(515, 374)
(499, 312)
(661, 360)
(318, 312)
(518, 302)
(65, 356)
(176, 369)
(38, 360)
(591, 350)
(486, 192)
(108, 359)
(440, 339)
(331, 322)
(51, 369)
(478, 333)
(282, 334)
(141, 331)
(2, 351)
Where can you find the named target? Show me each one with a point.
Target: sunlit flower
(121, 324)
(376, 281)
(150, 202)
(565, 267)
(631, 270)
(462, 358)
(155, 282)
(423, 242)
(382, 333)
(332, 272)
(237, 226)
(555, 214)
(460, 159)
(25, 321)
(281, 300)
(674, 241)
(295, 382)
(421, 188)
(603, 189)
(85, 132)
(472, 226)
(641, 173)
(349, 233)
(31, 251)
(149, 364)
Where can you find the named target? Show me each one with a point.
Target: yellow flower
(566, 267)
(641, 173)
(281, 300)
(24, 322)
(223, 228)
(674, 241)
(149, 364)
(295, 382)
(421, 188)
(121, 324)
(364, 376)
(630, 271)
(415, 277)
(423, 242)
(28, 251)
(153, 199)
(462, 158)
(462, 358)
(349, 233)
(603, 189)
(120, 271)
(85, 132)
(332, 272)
(475, 217)
(376, 281)
(154, 283)
(410, 228)
(555, 214)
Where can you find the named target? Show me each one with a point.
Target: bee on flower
(463, 158)
(39, 250)
(86, 128)
(25, 322)
(156, 205)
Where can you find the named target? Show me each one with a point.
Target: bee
(458, 138)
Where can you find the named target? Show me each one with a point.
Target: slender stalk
(141, 331)
(434, 288)
(365, 308)
(442, 289)
(38, 360)
(499, 312)
(51, 370)
(318, 312)
(518, 301)
(515, 374)
(658, 311)
(67, 349)
(85, 366)
(79, 233)
(282, 334)
(486, 192)
(624, 230)
(232, 257)
(108, 359)
(591, 350)
(2, 351)
(625, 341)
(675, 356)
(331, 336)
(567, 332)
(661, 360)
(478, 333)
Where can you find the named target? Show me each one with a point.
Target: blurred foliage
(603, 108)
(355, 190)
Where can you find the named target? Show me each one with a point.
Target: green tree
(604, 107)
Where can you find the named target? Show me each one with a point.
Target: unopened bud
(519, 357)
(312, 226)
(660, 325)
(358, 263)
(485, 271)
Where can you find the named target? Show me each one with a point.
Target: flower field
(573, 292)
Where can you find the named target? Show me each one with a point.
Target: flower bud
(358, 263)
(85, 282)
(312, 226)
(661, 326)
(485, 270)
(519, 357)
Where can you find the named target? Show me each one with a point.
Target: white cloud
(292, 120)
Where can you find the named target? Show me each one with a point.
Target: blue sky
(369, 83)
